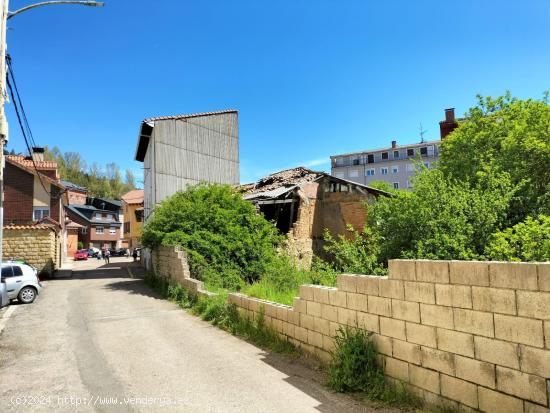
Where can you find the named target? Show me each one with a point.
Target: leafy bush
(442, 218)
(353, 367)
(356, 255)
(527, 241)
(228, 242)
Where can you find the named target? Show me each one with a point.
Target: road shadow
(133, 286)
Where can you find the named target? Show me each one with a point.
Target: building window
(356, 161)
(394, 169)
(384, 171)
(84, 230)
(112, 230)
(396, 185)
(339, 161)
(40, 212)
(384, 155)
(423, 151)
(354, 173)
(370, 158)
(98, 215)
(370, 172)
(410, 152)
(395, 154)
(99, 230)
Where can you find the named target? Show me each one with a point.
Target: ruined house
(303, 203)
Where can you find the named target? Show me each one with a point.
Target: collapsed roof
(281, 184)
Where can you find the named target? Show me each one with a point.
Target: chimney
(449, 124)
(450, 115)
(38, 154)
(394, 144)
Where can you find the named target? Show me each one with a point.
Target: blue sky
(310, 78)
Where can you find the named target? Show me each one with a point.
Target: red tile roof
(29, 163)
(135, 196)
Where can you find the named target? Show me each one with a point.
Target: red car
(81, 255)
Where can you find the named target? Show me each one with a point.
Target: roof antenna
(422, 133)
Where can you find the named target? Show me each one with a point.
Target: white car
(21, 282)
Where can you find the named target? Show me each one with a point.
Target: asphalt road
(104, 342)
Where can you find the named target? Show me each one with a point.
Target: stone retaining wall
(36, 246)
(472, 334)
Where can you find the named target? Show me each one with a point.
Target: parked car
(121, 252)
(93, 252)
(4, 300)
(81, 255)
(21, 282)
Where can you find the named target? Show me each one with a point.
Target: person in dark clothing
(134, 255)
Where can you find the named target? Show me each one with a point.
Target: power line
(15, 105)
(10, 67)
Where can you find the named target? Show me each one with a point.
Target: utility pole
(3, 120)
(6, 14)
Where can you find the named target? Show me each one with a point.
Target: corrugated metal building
(183, 150)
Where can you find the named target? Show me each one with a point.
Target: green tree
(505, 135)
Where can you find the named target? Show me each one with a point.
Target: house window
(339, 161)
(384, 171)
(370, 172)
(395, 154)
(384, 155)
(394, 169)
(370, 158)
(84, 230)
(112, 230)
(356, 161)
(40, 212)
(423, 151)
(354, 173)
(98, 215)
(410, 152)
(99, 230)
(396, 185)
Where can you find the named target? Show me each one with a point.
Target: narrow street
(103, 341)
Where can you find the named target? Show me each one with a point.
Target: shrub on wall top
(228, 242)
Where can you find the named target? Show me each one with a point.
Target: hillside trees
(105, 184)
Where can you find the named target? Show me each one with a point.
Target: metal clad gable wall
(188, 151)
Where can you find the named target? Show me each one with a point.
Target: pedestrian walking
(134, 254)
(107, 255)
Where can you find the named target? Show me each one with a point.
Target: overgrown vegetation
(354, 368)
(489, 197)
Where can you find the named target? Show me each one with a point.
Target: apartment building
(395, 164)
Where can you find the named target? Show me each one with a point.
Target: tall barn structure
(183, 150)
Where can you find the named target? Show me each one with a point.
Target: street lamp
(47, 3)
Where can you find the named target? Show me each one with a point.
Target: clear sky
(310, 78)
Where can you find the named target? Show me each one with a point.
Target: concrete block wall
(475, 335)
(471, 334)
(171, 263)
